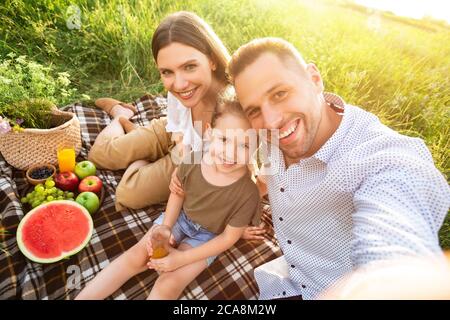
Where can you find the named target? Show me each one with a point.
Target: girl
(220, 200)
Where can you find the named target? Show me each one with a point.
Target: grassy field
(396, 68)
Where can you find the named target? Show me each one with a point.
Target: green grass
(394, 67)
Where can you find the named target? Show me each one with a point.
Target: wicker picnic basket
(31, 146)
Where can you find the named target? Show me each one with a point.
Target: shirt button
(289, 241)
(284, 293)
(292, 266)
(282, 189)
(281, 219)
(303, 286)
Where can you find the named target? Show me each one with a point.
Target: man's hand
(254, 233)
(175, 184)
(171, 262)
(401, 278)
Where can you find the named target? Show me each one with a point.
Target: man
(346, 191)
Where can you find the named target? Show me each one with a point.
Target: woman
(191, 60)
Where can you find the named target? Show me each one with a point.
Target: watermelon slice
(54, 231)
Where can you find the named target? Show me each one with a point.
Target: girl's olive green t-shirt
(214, 207)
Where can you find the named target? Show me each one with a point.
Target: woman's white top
(179, 120)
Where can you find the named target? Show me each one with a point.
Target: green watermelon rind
(63, 255)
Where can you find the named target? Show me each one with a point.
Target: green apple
(85, 169)
(89, 200)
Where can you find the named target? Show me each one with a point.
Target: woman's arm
(262, 186)
(174, 205)
(213, 247)
(175, 184)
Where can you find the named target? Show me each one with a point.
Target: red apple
(91, 184)
(67, 181)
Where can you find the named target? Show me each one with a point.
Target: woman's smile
(188, 94)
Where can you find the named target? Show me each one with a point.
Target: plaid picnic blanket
(229, 277)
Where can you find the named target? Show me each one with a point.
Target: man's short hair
(248, 53)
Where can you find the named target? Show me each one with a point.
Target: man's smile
(288, 132)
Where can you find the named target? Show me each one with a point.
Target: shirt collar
(325, 153)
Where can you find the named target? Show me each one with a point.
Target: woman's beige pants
(146, 185)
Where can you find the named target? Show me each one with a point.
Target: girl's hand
(148, 242)
(172, 241)
(175, 184)
(171, 262)
(254, 233)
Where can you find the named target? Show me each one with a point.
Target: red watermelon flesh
(53, 230)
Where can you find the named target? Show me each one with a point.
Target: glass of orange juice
(66, 158)
(160, 236)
